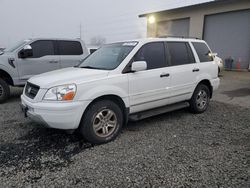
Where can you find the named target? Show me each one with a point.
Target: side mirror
(139, 66)
(26, 52)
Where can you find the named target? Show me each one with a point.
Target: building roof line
(183, 7)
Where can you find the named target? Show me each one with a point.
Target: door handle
(196, 70)
(53, 61)
(164, 75)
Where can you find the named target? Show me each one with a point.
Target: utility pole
(80, 31)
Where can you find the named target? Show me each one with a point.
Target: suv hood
(70, 75)
(5, 54)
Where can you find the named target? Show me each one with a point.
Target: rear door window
(180, 53)
(202, 51)
(42, 48)
(70, 48)
(154, 54)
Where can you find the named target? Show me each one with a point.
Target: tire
(200, 99)
(102, 122)
(4, 91)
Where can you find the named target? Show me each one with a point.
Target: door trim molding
(160, 99)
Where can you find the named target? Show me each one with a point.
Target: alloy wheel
(201, 99)
(105, 123)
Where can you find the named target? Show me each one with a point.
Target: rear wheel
(4, 91)
(102, 122)
(200, 99)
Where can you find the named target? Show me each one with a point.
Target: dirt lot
(176, 149)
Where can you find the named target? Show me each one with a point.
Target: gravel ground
(177, 149)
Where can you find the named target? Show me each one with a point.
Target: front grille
(31, 90)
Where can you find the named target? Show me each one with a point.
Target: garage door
(228, 34)
(178, 27)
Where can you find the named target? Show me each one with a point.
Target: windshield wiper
(89, 67)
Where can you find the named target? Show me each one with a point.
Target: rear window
(202, 51)
(180, 53)
(70, 48)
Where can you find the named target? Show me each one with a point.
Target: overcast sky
(113, 19)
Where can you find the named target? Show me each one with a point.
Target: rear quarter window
(202, 51)
(180, 53)
(70, 48)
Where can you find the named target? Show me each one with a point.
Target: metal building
(224, 24)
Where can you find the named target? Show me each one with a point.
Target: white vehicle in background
(123, 81)
(1, 50)
(220, 63)
(35, 56)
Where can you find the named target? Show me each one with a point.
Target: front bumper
(215, 83)
(58, 115)
(36, 118)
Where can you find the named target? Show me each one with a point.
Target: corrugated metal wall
(228, 34)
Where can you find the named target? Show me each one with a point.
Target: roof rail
(175, 36)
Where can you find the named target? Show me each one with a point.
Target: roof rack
(175, 36)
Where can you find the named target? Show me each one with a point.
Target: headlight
(61, 93)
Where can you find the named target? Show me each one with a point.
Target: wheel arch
(112, 97)
(207, 83)
(6, 77)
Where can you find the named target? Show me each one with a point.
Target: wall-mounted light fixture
(151, 19)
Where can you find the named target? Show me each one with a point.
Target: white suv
(35, 56)
(123, 81)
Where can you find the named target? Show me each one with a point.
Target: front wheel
(102, 122)
(4, 91)
(200, 99)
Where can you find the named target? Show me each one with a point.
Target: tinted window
(202, 51)
(70, 48)
(42, 48)
(180, 53)
(153, 54)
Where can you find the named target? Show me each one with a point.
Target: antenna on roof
(80, 30)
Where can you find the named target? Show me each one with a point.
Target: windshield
(109, 56)
(16, 46)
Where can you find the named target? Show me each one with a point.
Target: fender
(8, 70)
(91, 92)
(204, 76)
